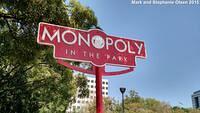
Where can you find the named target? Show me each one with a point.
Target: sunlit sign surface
(92, 45)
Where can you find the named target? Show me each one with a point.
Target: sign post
(91, 46)
(99, 99)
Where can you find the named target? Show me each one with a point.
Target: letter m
(55, 34)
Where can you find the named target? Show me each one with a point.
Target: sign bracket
(66, 64)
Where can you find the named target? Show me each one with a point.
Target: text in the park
(92, 46)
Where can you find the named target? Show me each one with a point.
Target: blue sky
(171, 72)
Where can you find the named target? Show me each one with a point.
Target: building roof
(196, 92)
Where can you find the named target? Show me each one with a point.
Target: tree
(110, 106)
(136, 104)
(30, 79)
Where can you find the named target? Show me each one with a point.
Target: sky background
(171, 72)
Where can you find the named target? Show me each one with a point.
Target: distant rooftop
(197, 92)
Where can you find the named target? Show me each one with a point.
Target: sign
(92, 46)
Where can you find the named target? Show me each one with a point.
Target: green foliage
(136, 104)
(80, 17)
(30, 79)
(110, 106)
(82, 85)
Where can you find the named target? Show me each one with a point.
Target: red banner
(92, 45)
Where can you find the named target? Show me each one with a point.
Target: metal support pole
(122, 90)
(99, 99)
(122, 102)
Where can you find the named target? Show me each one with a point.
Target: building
(196, 99)
(82, 102)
